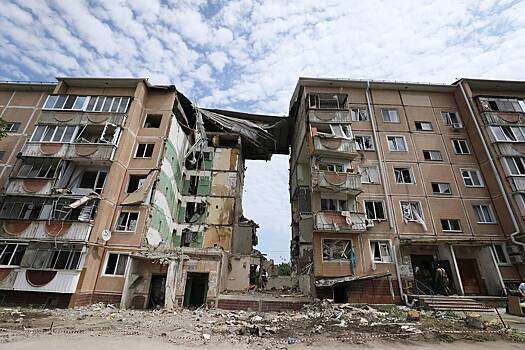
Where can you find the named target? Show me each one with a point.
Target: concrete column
(127, 296)
(170, 299)
(455, 270)
(491, 272)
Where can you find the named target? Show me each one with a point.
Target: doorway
(470, 276)
(423, 267)
(157, 292)
(340, 294)
(196, 289)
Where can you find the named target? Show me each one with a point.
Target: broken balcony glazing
(334, 146)
(333, 181)
(340, 221)
(329, 116)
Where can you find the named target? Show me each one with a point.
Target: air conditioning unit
(516, 259)
(457, 126)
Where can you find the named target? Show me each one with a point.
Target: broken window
(390, 115)
(135, 182)
(40, 168)
(411, 211)
(94, 180)
(188, 237)
(127, 221)
(369, 174)
(62, 210)
(153, 121)
(116, 264)
(337, 249)
(432, 155)
(305, 202)
(450, 225)
(424, 126)
(11, 253)
(329, 204)
(451, 118)
(327, 101)
(374, 210)
(403, 176)
(359, 114)
(54, 133)
(471, 178)
(503, 104)
(364, 143)
(11, 127)
(107, 133)
(331, 167)
(441, 188)
(194, 211)
(500, 253)
(21, 208)
(144, 150)
(57, 259)
(396, 143)
(381, 251)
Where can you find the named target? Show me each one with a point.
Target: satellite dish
(106, 235)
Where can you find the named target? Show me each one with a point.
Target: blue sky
(248, 54)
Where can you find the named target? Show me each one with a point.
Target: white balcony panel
(63, 282)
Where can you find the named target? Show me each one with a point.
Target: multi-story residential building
(116, 190)
(389, 180)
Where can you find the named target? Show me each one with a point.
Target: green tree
(284, 269)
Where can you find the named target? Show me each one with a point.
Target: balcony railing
(503, 118)
(92, 151)
(45, 230)
(339, 147)
(29, 186)
(336, 181)
(340, 221)
(329, 116)
(51, 281)
(517, 183)
(510, 149)
(80, 118)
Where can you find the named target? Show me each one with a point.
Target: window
(374, 210)
(11, 253)
(93, 179)
(390, 115)
(54, 133)
(484, 214)
(369, 174)
(450, 225)
(40, 168)
(503, 104)
(331, 167)
(403, 176)
(195, 212)
(188, 237)
(471, 178)
(451, 118)
(460, 146)
(20, 209)
(116, 264)
(144, 150)
(424, 126)
(135, 182)
(381, 251)
(396, 143)
(411, 211)
(508, 133)
(12, 127)
(127, 221)
(441, 188)
(343, 131)
(432, 155)
(56, 259)
(327, 101)
(364, 143)
(329, 204)
(515, 165)
(153, 121)
(87, 103)
(500, 253)
(337, 250)
(359, 114)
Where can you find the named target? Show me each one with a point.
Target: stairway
(451, 303)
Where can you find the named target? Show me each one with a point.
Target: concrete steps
(452, 303)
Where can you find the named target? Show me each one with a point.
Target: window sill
(125, 232)
(453, 231)
(119, 276)
(370, 183)
(487, 223)
(474, 186)
(383, 262)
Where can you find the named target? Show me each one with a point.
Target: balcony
(80, 118)
(510, 149)
(503, 118)
(51, 281)
(329, 116)
(336, 182)
(45, 230)
(29, 186)
(340, 221)
(91, 151)
(334, 146)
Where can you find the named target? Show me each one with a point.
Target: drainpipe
(494, 170)
(382, 170)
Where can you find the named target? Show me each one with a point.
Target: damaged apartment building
(120, 191)
(390, 180)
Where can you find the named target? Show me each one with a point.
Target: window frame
(388, 110)
(430, 152)
(507, 159)
(450, 220)
(395, 143)
(411, 202)
(380, 242)
(373, 148)
(335, 239)
(470, 171)
(55, 128)
(445, 117)
(410, 171)
(88, 105)
(375, 202)
(459, 141)
(490, 212)
(505, 254)
(10, 125)
(128, 219)
(51, 251)
(356, 111)
(16, 244)
(338, 204)
(449, 193)
(146, 145)
(368, 167)
(421, 123)
(106, 260)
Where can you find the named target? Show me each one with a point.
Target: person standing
(441, 279)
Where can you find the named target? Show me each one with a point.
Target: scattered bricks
(413, 316)
(474, 320)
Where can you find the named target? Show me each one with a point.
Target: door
(196, 289)
(423, 268)
(340, 294)
(470, 277)
(157, 291)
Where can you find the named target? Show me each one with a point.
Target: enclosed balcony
(329, 116)
(51, 231)
(334, 146)
(340, 182)
(80, 118)
(327, 101)
(340, 221)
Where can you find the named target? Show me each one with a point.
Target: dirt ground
(323, 324)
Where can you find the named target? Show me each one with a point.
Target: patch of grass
(516, 336)
(391, 310)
